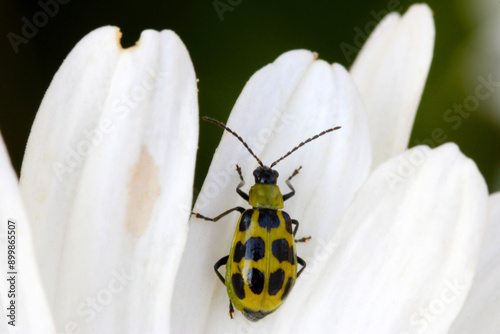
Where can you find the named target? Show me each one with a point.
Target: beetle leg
(291, 193)
(303, 264)
(242, 183)
(231, 309)
(219, 264)
(296, 223)
(238, 208)
(304, 239)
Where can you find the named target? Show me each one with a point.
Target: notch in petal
(107, 178)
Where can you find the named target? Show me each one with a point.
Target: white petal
(390, 72)
(32, 313)
(481, 311)
(107, 179)
(283, 104)
(404, 253)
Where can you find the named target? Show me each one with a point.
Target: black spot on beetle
(268, 219)
(255, 249)
(276, 280)
(254, 315)
(255, 280)
(291, 258)
(246, 220)
(239, 252)
(288, 287)
(288, 221)
(281, 250)
(239, 285)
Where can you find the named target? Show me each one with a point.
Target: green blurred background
(225, 53)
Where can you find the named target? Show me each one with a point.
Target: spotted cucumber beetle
(261, 267)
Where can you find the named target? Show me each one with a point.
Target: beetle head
(265, 175)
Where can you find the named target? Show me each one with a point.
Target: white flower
(108, 173)
(390, 238)
(107, 183)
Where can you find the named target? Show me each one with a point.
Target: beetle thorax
(265, 196)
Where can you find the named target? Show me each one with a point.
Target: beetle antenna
(216, 122)
(303, 143)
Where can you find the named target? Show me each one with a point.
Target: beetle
(261, 267)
